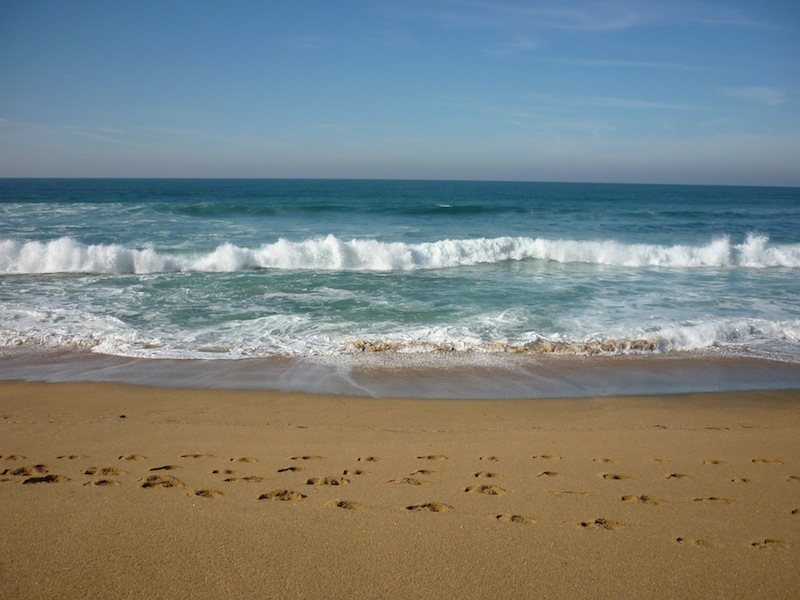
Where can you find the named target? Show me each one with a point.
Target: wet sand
(120, 491)
(456, 375)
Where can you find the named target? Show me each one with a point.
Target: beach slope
(116, 491)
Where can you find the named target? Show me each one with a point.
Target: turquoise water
(231, 269)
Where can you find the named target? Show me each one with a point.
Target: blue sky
(619, 91)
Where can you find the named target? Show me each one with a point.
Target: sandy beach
(118, 491)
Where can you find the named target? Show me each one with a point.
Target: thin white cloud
(515, 46)
(625, 64)
(100, 134)
(611, 102)
(632, 103)
(762, 95)
(114, 130)
(502, 15)
(580, 15)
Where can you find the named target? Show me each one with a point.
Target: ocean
(517, 289)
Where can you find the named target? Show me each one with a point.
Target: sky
(595, 91)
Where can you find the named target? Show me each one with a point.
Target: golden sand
(112, 491)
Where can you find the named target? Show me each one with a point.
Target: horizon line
(395, 179)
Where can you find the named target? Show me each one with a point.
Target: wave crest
(66, 255)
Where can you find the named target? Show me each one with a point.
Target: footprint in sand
(604, 460)
(243, 459)
(103, 482)
(523, 520)
(72, 456)
(308, 457)
(433, 457)
(104, 471)
(369, 459)
(224, 472)
(333, 480)
(490, 490)
(423, 472)
(358, 472)
(570, 493)
(643, 499)
(692, 542)
(661, 461)
(741, 480)
(197, 455)
(160, 481)
(247, 479)
(770, 543)
(677, 476)
(407, 481)
(713, 461)
(132, 457)
(205, 493)
(796, 511)
(13, 457)
(549, 474)
(345, 504)
(714, 500)
(52, 478)
(282, 495)
(27, 471)
(601, 523)
(492, 458)
(767, 461)
(614, 476)
(291, 469)
(794, 478)
(546, 457)
(436, 507)
(487, 475)
(165, 468)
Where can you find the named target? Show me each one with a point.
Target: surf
(331, 253)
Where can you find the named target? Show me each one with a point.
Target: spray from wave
(66, 255)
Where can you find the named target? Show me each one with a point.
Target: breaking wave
(66, 255)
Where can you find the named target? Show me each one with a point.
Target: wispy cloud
(632, 103)
(487, 14)
(112, 130)
(611, 102)
(110, 135)
(623, 64)
(762, 95)
(577, 15)
(514, 46)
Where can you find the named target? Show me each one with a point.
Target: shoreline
(174, 492)
(435, 375)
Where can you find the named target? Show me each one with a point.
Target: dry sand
(112, 491)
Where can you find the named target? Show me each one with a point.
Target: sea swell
(67, 255)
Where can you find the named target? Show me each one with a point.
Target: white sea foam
(66, 255)
(293, 335)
